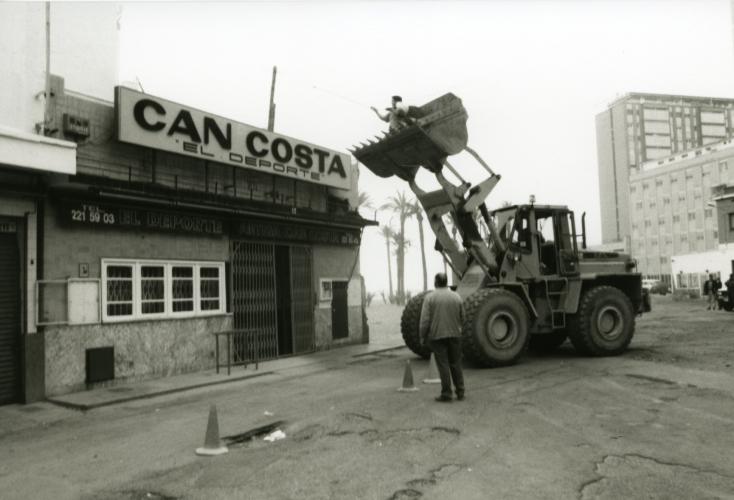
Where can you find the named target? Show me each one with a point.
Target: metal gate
(254, 303)
(253, 294)
(302, 300)
(9, 319)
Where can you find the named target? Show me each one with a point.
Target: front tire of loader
(604, 324)
(410, 326)
(495, 329)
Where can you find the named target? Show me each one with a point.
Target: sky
(531, 74)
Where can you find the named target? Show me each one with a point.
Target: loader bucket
(438, 131)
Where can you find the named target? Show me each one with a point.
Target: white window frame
(168, 313)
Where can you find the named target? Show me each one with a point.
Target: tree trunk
(423, 251)
(401, 262)
(389, 269)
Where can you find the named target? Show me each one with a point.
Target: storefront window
(209, 288)
(183, 288)
(159, 289)
(152, 289)
(119, 290)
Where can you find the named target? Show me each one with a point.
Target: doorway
(272, 294)
(339, 310)
(10, 379)
(283, 300)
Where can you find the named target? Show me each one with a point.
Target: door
(9, 319)
(339, 317)
(566, 243)
(283, 299)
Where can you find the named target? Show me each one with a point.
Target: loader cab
(556, 241)
(541, 240)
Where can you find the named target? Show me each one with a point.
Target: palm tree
(401, 244)
(416, 210)
(388, 233)
(364, 201)
(399, 205)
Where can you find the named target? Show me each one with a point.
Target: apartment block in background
(639, 128)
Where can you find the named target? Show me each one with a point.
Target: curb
(378, 351)
(91, 406)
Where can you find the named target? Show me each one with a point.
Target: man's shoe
(460, 397)
(444, 399)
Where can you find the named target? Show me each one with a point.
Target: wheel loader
(521, 274)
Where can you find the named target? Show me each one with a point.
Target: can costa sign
(160, 124)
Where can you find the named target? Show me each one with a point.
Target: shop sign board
(157, 123)
(8, 227)
(298, 234)
(97, 215)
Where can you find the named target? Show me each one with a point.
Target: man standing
(730, 289)
(709, 290)
(396, 116)
(442, 316)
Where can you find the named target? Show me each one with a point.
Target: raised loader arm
(439, 131)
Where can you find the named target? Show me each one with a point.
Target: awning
(21, 149)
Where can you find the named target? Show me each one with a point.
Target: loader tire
(409, 326)
(604, 324)
(547, 342)
(495, 329)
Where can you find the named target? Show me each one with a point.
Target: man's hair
(397, 98)
(440, 281)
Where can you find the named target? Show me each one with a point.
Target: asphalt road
(657, 422)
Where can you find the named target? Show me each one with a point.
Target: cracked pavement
(657, 422)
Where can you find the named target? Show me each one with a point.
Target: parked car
(656, 286)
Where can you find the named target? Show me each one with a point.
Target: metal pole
(271, 109)
(47, 86)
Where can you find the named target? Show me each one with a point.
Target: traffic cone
(212, 444)
(408, 385)
(432, 376)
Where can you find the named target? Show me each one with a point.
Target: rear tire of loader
(604, 324)
(495, 329)
(410, 326)
(547, 342)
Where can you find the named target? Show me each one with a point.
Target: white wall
(714, 261)
(22, 64)
(85, 46)
(84, 51)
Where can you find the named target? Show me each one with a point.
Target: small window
(152, 289)
(119, 290)
(731, 221)
(326, 290)
(521, 233)
(209, 288)
(182, 290)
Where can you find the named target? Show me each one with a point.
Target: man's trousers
(447, 352)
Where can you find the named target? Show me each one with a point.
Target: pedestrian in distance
(396, 115)
(441, 321)
(730, 289)
(709, 291)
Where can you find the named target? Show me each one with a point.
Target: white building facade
(672, 212)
